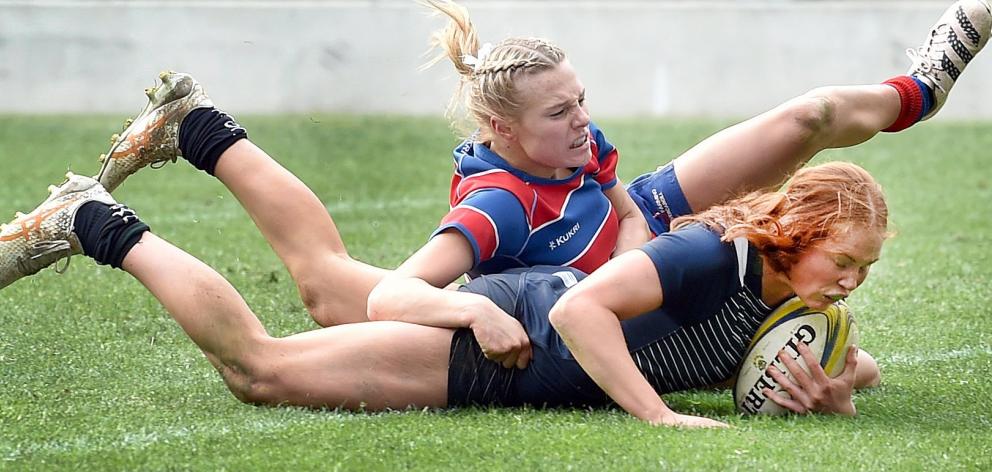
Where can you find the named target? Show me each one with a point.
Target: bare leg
(334, 287)
(868, 374)
(765, 150)
(369, 365)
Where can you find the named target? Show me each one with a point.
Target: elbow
(564, 313)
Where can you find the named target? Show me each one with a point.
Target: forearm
(413, 300)
(633, 233)
(596, 340)
(633, 229)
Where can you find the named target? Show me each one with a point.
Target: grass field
(94, 374)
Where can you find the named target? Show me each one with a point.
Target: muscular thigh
(374, 365)
(758, 153)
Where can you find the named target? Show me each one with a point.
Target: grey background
(659, 58)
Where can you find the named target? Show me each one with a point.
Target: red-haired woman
(816, 240)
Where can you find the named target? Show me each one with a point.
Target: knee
(328, 294)
(812, 115)
(251, 385)
(327, 307)
(318, 302)
(329, 311)
(867, 374)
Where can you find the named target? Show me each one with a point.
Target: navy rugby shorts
(473, 379)
(660, 198)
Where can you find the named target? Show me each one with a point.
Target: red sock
(911, 99)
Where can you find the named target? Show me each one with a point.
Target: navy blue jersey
(711, 310)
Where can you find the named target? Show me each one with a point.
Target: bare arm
(634, 230)
(414, 293)
(588, 319)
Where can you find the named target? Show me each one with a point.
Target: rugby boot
(45, 236)
(152, 138)
(953, 41)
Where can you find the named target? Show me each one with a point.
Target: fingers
(503, 340)
(508, 357)
(526, 354)
(798, 400)
(850, 365)
(785, 402)
(798, 373)
(518, 355)
(812, 363)
(815, 391)
(689, 421)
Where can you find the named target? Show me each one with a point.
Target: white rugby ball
(828, 333)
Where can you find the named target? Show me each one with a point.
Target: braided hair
(487, 85)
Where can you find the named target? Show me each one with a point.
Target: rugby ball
(828, 333)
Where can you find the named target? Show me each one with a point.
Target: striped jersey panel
(705, 353)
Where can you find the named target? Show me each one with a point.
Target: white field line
(907, 359)
(142, 439)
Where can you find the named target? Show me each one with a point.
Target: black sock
(107, 232)
(205, 134)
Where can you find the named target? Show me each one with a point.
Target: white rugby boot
(152, 137)
(41, 238)
(959, 34)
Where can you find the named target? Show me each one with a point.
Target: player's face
(552, 128)
(831, 270)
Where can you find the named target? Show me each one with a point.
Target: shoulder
(692, 263)
(694, 245)
(494, 183)
(496, 213)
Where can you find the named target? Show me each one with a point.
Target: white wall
(674, 58)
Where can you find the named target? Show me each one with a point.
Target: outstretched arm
(588, 319)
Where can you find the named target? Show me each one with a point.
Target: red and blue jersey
(513, 219)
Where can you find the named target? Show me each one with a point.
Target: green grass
(95, 375)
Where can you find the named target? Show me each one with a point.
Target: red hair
(817, 203)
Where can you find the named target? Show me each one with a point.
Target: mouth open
(580, 142)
